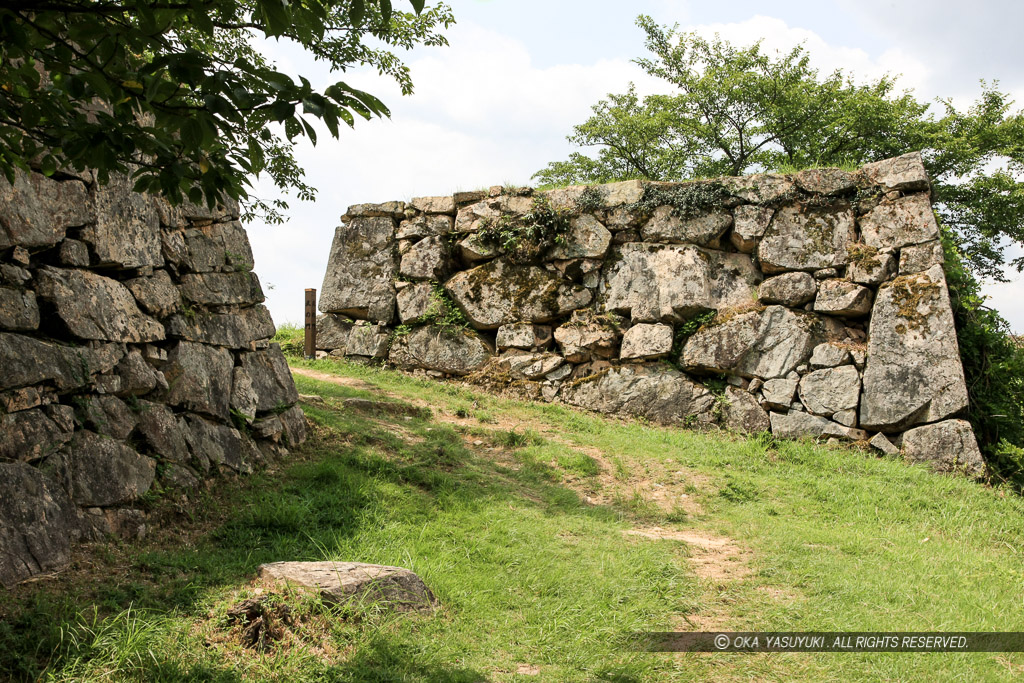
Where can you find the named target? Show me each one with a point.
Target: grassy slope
(531, 575)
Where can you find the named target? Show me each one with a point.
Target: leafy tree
(175, 92)
(739, 110)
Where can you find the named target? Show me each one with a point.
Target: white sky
(495, 106)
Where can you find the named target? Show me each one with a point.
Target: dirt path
(717, 560)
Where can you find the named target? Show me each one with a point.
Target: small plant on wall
(526, 238)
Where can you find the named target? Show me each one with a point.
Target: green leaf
(417, 5)
(385, 12)
(356, 12)
(277, 15)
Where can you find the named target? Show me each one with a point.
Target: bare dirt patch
(715, 558)
(353, 382)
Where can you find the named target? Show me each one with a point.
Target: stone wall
(806, 304)
(134, 358)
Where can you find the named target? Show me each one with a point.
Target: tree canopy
(739, 110)
(177, 93)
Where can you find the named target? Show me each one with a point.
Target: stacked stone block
(831, 316)
(134, 357)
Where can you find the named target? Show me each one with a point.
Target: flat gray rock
(355, 584)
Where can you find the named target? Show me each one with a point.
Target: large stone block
(95, 307)
(767, 344)
(703, 229)
(199, 377)
(105, 472)
(905, 221)
(947, 446)
(498, 293)
(788, 289)
(127, 228)
(587, 238)
(156, 294)
(31, 435)
(653, 392)
(831, 390)
(18, 310)
(222, 289)
(807, 238)
(222, 445)
(913, 374)
(162, 433)
(25, 361)
(425, 260)
(741, 412)
(670, 283)
(794, 424)
(271, 378)
(903, 173)
(37, 524)
(645, 341)
(361, 270)
(455, 352)
(36, 211)
(332, 332)
(237, 329)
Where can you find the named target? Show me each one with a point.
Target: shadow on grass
(355, 475)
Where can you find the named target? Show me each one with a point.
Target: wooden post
(310, 339)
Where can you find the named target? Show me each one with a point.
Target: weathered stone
(481, 214)
(750, 223)
(523, 336)
(137, 376)
(269, 427)
(827, 181)
(670, 283)
(759, 188)
(37, 523)
(703, 229)
(741, 412)
(361, 270)
(913, 373)
(468, 197)
(371, 341)
(385, 209)
(105, 472)
(157, 294)
(947, 446)
(31, 435)
(127, 228)
(424, 226)
(905, 221)
(414, 302)
(526, 365)
(904, 173)
(222, 445)
(475, 248)
(106, 415)
(203, 252)
(355, 584)
(794, 424)
(296, 429)
(186, 213)
(74, 253)
(587, 238)
(271, 378)
(919, 257)
(35, 211)
(455, 352)
(434, 204)
(768, 344)
(788, 289)
(841, 297)
(426, 260)
(18, 310)
(161, 433)
(872, 268)
(238, 329)
(96, 307)
(804, 237)
(830, 390)
(199, 378)
(653, 392)
(498, 293)
(829, 356)
(17, 400)
(646, 341)
(244, 399)
(14, 276)
(332, 332)
(625, 192)
(222, 289)
(779, 393)
(882, 443)
(846, 417)
(25, 361)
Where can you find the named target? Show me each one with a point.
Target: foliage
(994, 370)
(739, 110)
(291, 337)
(179, 94)
(687, 201)
(591, 199)
(443, 311)
(525, 237)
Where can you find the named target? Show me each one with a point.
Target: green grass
(527, 572)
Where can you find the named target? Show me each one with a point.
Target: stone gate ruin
(805, 304)
(134, 354)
